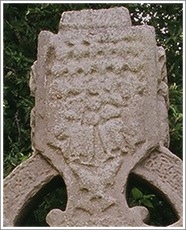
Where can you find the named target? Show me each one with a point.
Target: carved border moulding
(100, 113)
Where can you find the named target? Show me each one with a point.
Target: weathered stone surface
(164, 170)
(100, 112)
(22, 185)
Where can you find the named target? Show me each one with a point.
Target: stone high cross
(101, 99)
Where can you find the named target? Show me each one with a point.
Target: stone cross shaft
(101, 100)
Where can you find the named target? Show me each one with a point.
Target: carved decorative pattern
(101, 99)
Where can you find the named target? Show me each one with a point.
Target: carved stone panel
(100, 112)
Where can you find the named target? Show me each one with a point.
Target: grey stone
(101, 100)
(22, 185)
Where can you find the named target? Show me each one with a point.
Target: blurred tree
(22, 24)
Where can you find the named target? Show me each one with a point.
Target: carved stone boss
(100, 113)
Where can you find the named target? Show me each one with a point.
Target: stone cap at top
(87, 19)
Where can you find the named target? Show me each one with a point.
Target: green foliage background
(22, 24)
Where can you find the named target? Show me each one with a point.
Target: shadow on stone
(161, 211)
(52, 195)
